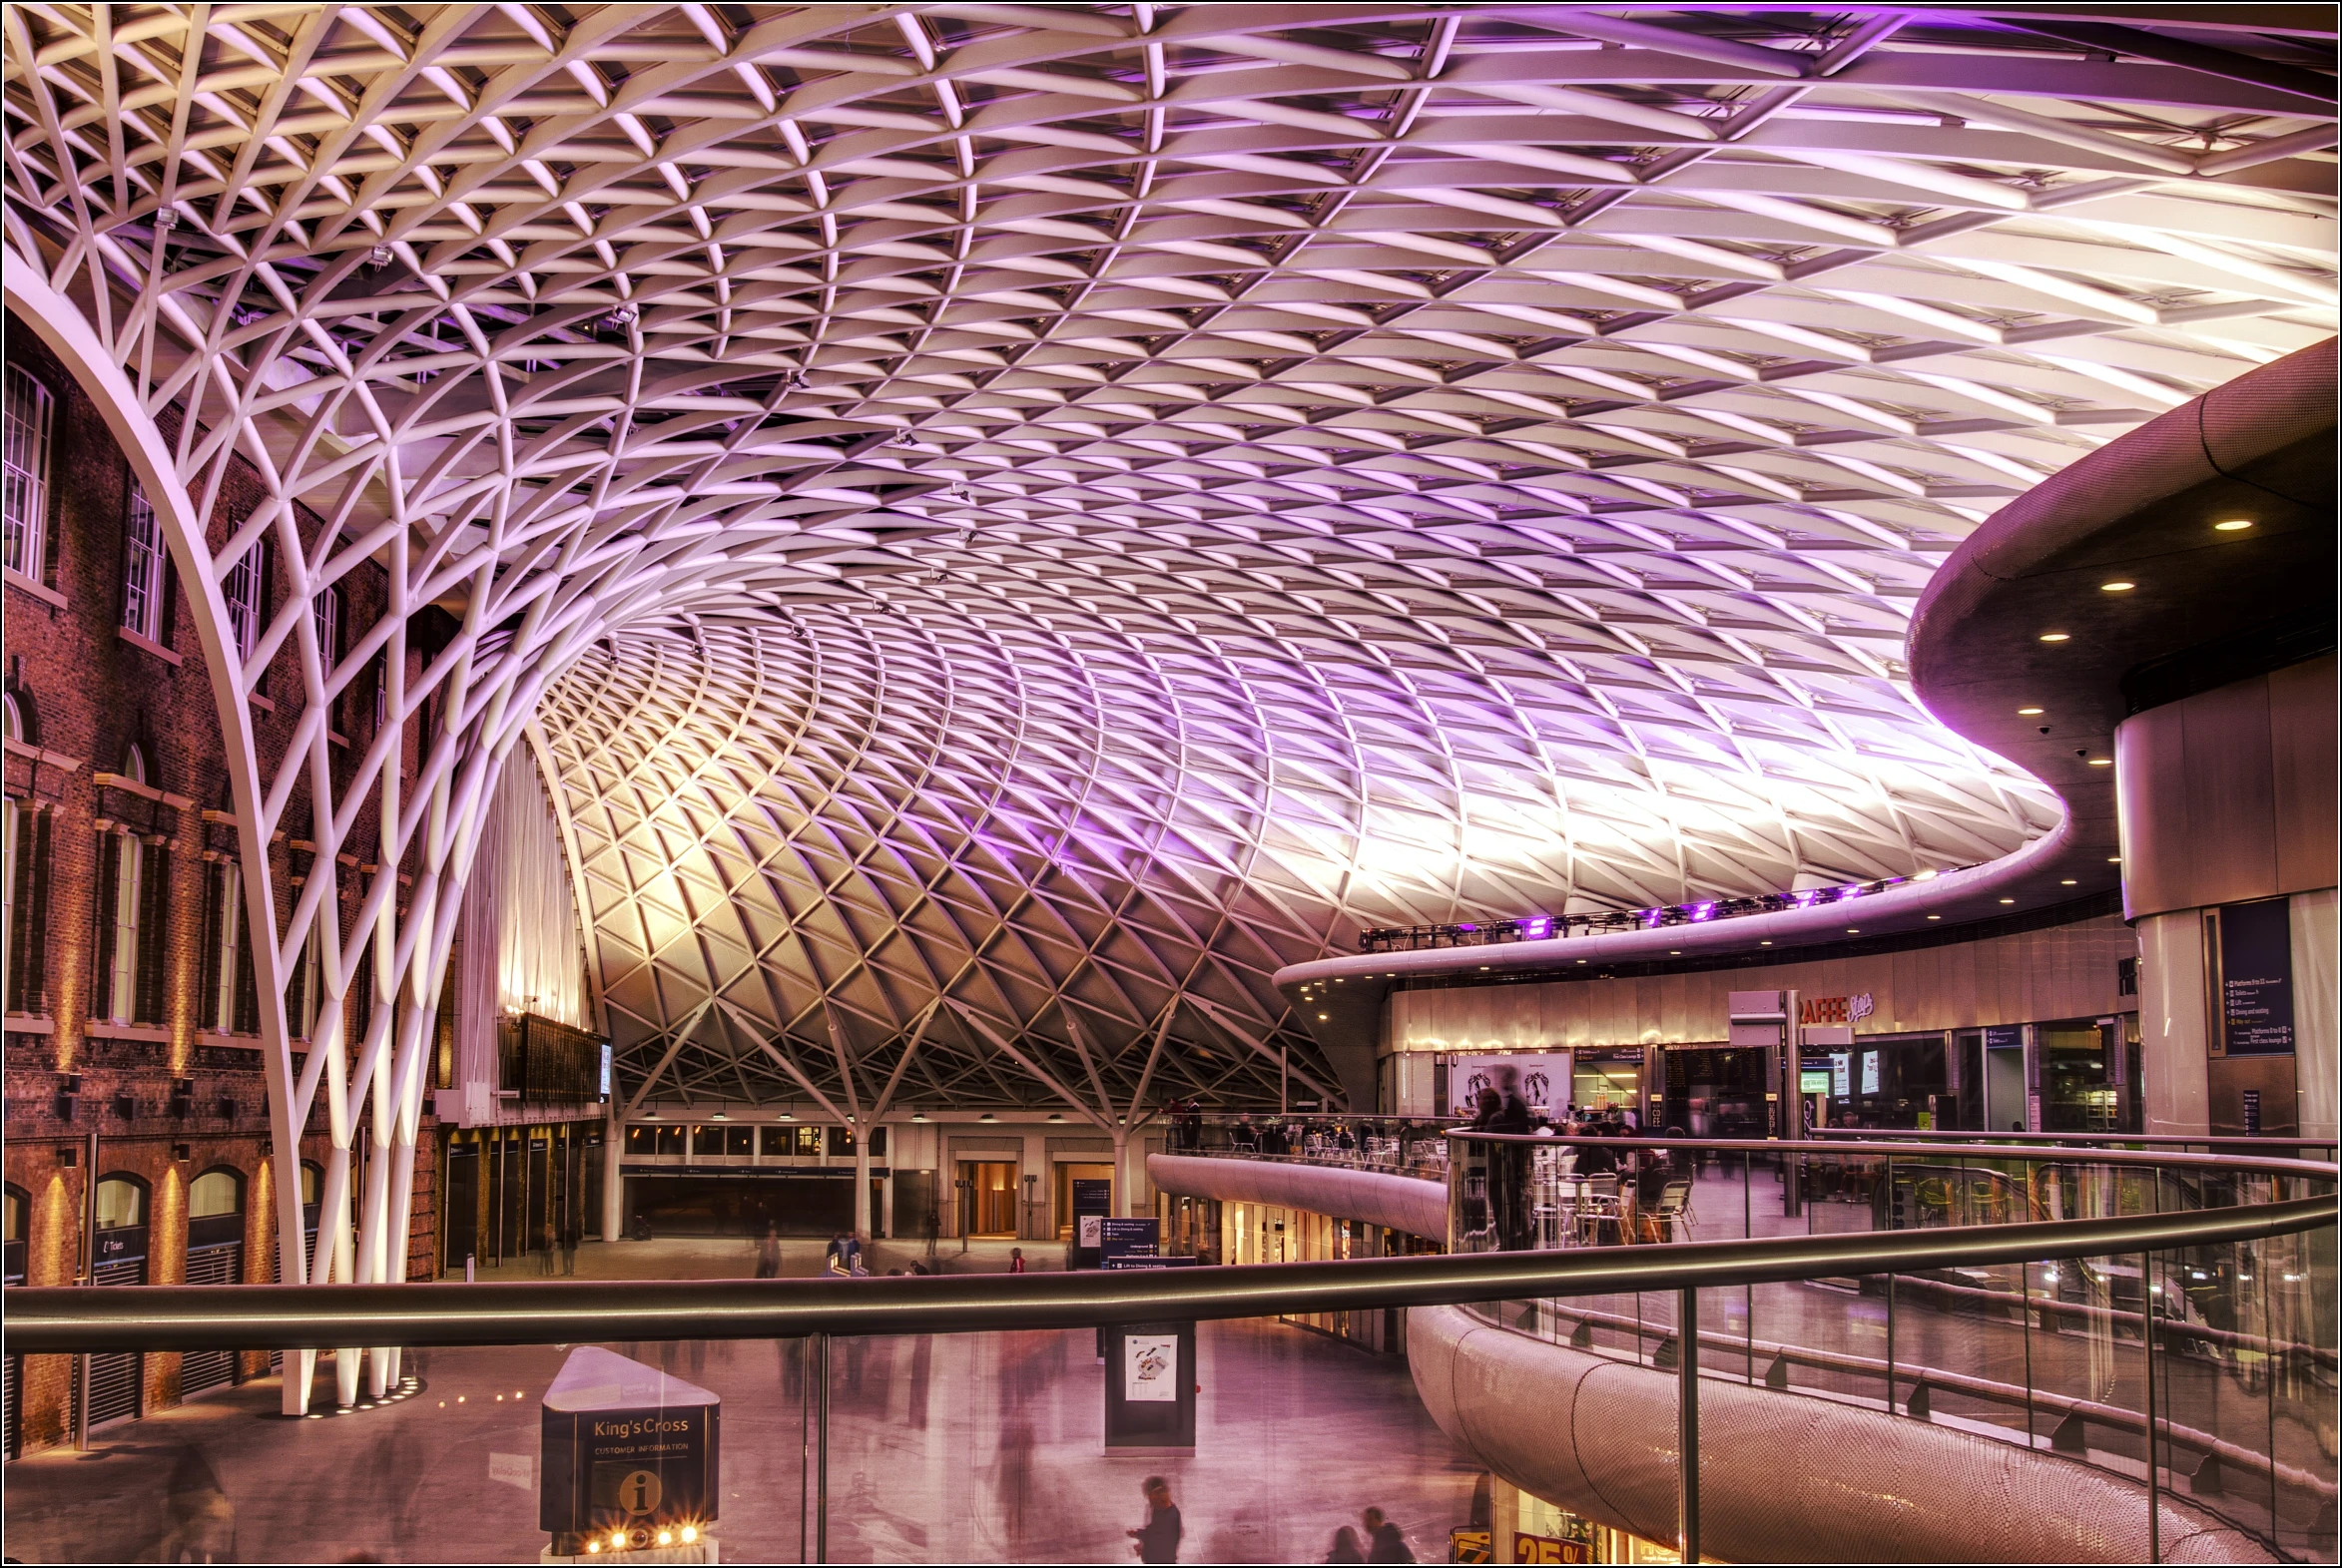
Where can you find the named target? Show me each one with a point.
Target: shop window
(305, 991)
(230, 1000)
(327, 610)
(24, 885)
(142, 567)
(25, 447)
(134, 889)
(122, 1201)
(245, 591)
(213, 1195)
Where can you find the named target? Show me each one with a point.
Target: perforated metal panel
(204, 1370)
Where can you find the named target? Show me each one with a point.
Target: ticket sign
(2256, 979)
(626, 1448)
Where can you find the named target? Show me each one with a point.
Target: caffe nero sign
(2256, 979)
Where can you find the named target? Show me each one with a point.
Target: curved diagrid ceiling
(1111, 499)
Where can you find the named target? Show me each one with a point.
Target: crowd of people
(1375, 1539)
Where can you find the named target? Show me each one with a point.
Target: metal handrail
(2070, 1140)
(55, 1319)
(2314, 1170)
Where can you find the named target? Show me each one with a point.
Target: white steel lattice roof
(1091, 504)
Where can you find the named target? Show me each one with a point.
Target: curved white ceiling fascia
(1084, 505)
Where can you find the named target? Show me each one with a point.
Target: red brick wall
(90, 691)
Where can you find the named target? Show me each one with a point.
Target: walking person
(1383, 1542)
(1344, 1548)
(769, 1254)
(1016, 1259)
(1158, 1540)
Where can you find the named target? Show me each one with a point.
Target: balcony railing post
(822, 1448)
(1687, 1423)
(2146, 1291)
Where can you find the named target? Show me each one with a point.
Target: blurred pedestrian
(1016, 1259)
(1345, 1548)
(1158, 1541)
(769, 1254)
(1383, 1542)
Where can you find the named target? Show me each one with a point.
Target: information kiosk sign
(629, 1453)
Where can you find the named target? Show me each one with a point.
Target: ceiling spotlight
(2069, 882)
(1853, 930)
(1766, 943)
(1322, 1017)
(623, 316)
(918, 1116)
(2007, 900)
(2028, 712)
(2113, 859)
(379, 256)
(2057, 637)
(2101, 762)
(2116, 588)
(988, 1117)
(1935, 917)
(2234, 525)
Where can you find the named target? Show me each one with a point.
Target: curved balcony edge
(1400, 1203)
(1599, 1436)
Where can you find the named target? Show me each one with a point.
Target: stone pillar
(2228, 853)
(612, 1174)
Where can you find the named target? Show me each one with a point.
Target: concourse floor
(953, 1448)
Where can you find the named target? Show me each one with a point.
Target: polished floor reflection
(953, 1448)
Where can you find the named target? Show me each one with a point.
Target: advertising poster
(1543, 1082)
(1150, 1368)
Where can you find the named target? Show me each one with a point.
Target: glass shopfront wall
(2087, 1072)
(1889, 1082)
(1267, 1234)
(1603, 1083)
(1717, 1092)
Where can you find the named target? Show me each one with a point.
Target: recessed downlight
(1935, 917)
(2007, 900)
(2069, 882)
(2057, 637)
(2116, 588)
(2234, 525)
(2101, 762)
(2030, 713)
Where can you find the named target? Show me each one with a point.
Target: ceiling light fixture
(2057, 637)
(2028, 712)
(2116, 588)
(2101, 762)
(2234, 525)
(1935, 917)
(2007, 900)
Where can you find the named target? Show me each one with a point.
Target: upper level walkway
(1989, 1411)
